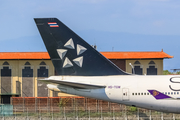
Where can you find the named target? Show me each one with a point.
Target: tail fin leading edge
(70, 54)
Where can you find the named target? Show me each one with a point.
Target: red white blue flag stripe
(53, 24)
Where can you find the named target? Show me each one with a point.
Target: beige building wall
(16, 67)
(13, 65)
(144, 64)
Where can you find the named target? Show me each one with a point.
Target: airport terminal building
(20, 71)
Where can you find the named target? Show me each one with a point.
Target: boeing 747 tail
(85, 72)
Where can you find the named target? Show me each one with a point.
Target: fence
(79, 108)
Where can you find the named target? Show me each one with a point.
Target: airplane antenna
(94, 46)
(133, 72)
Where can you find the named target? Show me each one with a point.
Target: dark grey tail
(70, 54)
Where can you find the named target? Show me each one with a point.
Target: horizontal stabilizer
(73, 84)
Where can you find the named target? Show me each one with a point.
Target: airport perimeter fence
(77, 108)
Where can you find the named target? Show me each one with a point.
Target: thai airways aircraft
(85, 72)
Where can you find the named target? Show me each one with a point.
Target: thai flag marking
(53, 24)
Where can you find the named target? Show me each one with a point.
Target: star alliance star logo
(70, 45)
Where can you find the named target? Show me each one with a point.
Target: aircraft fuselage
(129, 90)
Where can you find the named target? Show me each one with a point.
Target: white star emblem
(79, 61)
(67, 63)
(80, 49)
(61, 52)
(69, 44)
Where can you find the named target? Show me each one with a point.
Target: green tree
(178, 72)
(166, 72)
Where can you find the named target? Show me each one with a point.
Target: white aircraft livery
(85, 72)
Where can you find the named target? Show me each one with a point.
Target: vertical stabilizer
(70, 54)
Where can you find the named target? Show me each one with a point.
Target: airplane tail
(70, 54)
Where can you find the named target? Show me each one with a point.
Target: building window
(27, 63)
(27, 71)
(27, 80)
(137, 62)
(5, 63)
(5, 80)
(137, 68)
(151, 70)
(42, 63)
(151, 63)
(42, 72)
(5, 72)
(42, 87)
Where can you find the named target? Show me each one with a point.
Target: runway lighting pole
(162, 116)
(173, 117)
(64, 114)
(113, 114)
(101, 114)
(149, 114)
(27, 113)
(89, 114)
(15, 113)
(138, 114)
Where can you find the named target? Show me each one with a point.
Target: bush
(133, 109)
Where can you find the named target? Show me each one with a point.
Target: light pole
(133, 72)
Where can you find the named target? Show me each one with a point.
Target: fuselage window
(171, 93)
(165, 93)
(168, 93)
(145, 93)
(177, 92)
(174, 93)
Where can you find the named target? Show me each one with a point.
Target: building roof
(109, 55)
(136, 55)
(24, 55)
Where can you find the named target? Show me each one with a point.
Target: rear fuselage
(129, 90)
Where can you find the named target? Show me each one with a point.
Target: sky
(112, 25)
